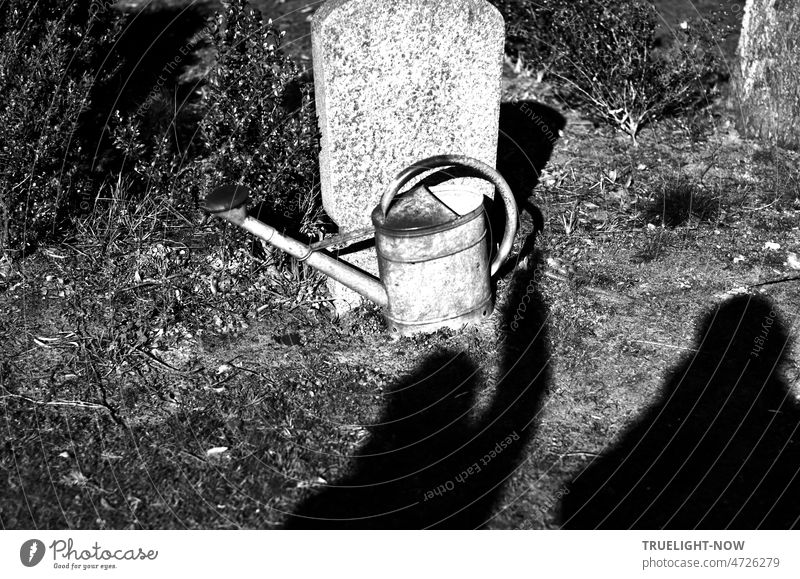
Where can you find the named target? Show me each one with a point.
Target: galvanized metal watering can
(432, 247)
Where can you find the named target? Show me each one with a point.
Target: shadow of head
(445, 444)
(528, 133)
(744, 333)
(719, 449)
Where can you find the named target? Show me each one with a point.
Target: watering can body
(433, 254)
(433, 248)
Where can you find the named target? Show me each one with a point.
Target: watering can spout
(229, 202)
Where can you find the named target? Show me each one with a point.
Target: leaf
(223, 368)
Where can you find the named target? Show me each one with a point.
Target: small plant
(605, 56)
(653, 246)
(779, 170)
(680, 200)
(570, 219)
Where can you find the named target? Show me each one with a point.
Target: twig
(149, 282)
(190, 455)
(580, 453)
(276, 294)
(762, 207)
(73, 403)
(308, 303)
(664, 345)
(774, 281)
(248, 370)
(163, 363)
(218, 383)
(84, 254)
(613, 296)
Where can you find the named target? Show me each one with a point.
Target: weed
(653, 245)
(606, 57)
(680, 200)
(780, 175)
(570, 219)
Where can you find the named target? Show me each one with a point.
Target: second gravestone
(397, 82)
(768, 75)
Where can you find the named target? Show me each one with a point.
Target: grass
(157, 374)
(680, 200)
(123, 368)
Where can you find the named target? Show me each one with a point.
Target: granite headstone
(397, 82)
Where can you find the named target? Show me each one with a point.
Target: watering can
(432, 247)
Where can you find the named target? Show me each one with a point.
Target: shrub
(607, 59)
(48, 51)
(70, 138)
(259, 127)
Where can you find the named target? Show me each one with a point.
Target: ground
(178, 380)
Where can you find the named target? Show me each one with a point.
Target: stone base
(345, 299)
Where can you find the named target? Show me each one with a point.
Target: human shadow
(718, 450)
(529, 131)
(435, 459)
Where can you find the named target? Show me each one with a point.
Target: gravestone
(768, 75)
(398, 81)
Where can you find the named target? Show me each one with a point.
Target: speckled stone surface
(768, 75)
(398, 81)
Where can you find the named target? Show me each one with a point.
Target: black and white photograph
(399, 265)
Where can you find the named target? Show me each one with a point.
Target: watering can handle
(484, 171)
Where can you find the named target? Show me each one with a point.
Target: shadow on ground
(528, 132)
(430, 462)
(719, 450)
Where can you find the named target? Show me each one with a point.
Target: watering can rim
(379, 219)
(484, 171)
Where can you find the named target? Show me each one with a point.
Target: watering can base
(407, 328)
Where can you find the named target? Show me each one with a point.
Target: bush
(71, 138)
(606, 58)
(254, 124)
(48, 51)
(259, 128)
